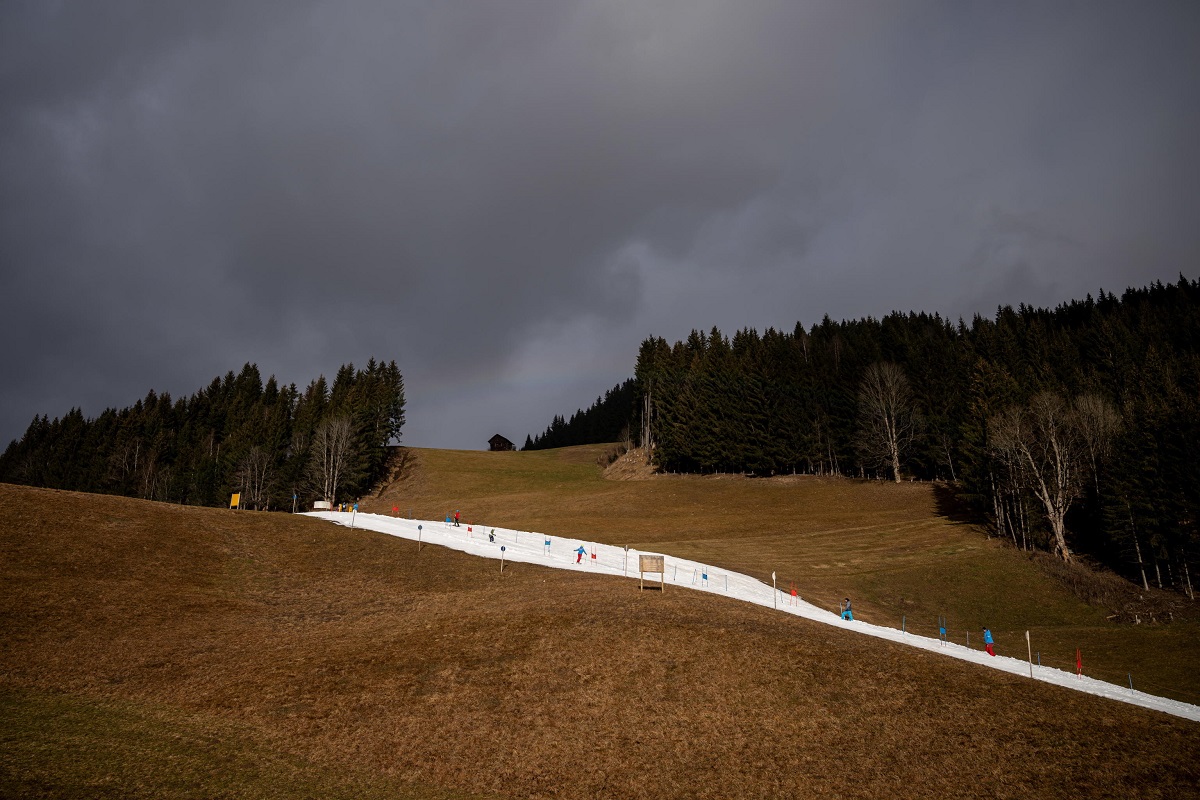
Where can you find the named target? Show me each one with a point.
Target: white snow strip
(561, 553)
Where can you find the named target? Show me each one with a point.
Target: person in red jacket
(456, 517)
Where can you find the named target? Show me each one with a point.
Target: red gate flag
(1078, 662)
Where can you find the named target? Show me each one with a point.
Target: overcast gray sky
(507, 197)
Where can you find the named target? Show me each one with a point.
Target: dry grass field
(149, 650)
(900, 551)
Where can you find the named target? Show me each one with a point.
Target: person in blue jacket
(988, 643)
(581, 553)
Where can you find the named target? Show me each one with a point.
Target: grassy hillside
(897, 550)
(158, 651)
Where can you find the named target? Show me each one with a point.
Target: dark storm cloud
(507, 197)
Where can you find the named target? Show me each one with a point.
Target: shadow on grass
(949, 504)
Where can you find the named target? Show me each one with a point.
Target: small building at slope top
(498, 442)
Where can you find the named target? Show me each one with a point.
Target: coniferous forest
(1069, 430)
(606, 420)
(1075, 429)
(266, 442)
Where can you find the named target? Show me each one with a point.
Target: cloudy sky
(507, 197)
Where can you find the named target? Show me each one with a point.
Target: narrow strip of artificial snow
(561, 553)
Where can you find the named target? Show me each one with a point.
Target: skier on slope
(846, 612)
(456, 517)
(988, 643)
(580, 553)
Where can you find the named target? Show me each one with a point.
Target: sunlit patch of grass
(885, 545)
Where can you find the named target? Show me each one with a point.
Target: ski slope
(561, 553)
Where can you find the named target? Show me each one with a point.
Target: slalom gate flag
(1078, 662)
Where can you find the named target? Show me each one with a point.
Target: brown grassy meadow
(902, 552)
(151, 650)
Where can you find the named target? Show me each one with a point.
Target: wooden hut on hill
(498, 442)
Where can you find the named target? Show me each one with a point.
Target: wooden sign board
(649, 563)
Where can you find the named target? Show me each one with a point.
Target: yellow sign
(235, 501)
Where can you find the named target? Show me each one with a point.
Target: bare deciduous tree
(887, 419)
(147, 473)
(1008, 495)
(332, 442)
(946, 448)
(254, 475)
(1045, 449)
(1098, 424)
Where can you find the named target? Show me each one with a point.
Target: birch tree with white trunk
(254, 475)
(332, 445)
(1046, 448)
(1098, 424)
(887, 417)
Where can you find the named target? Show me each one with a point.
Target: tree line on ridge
(606, 420)
(1067, 429)
(273, 445)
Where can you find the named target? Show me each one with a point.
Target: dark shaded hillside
(346, 654)
(1076, 428)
